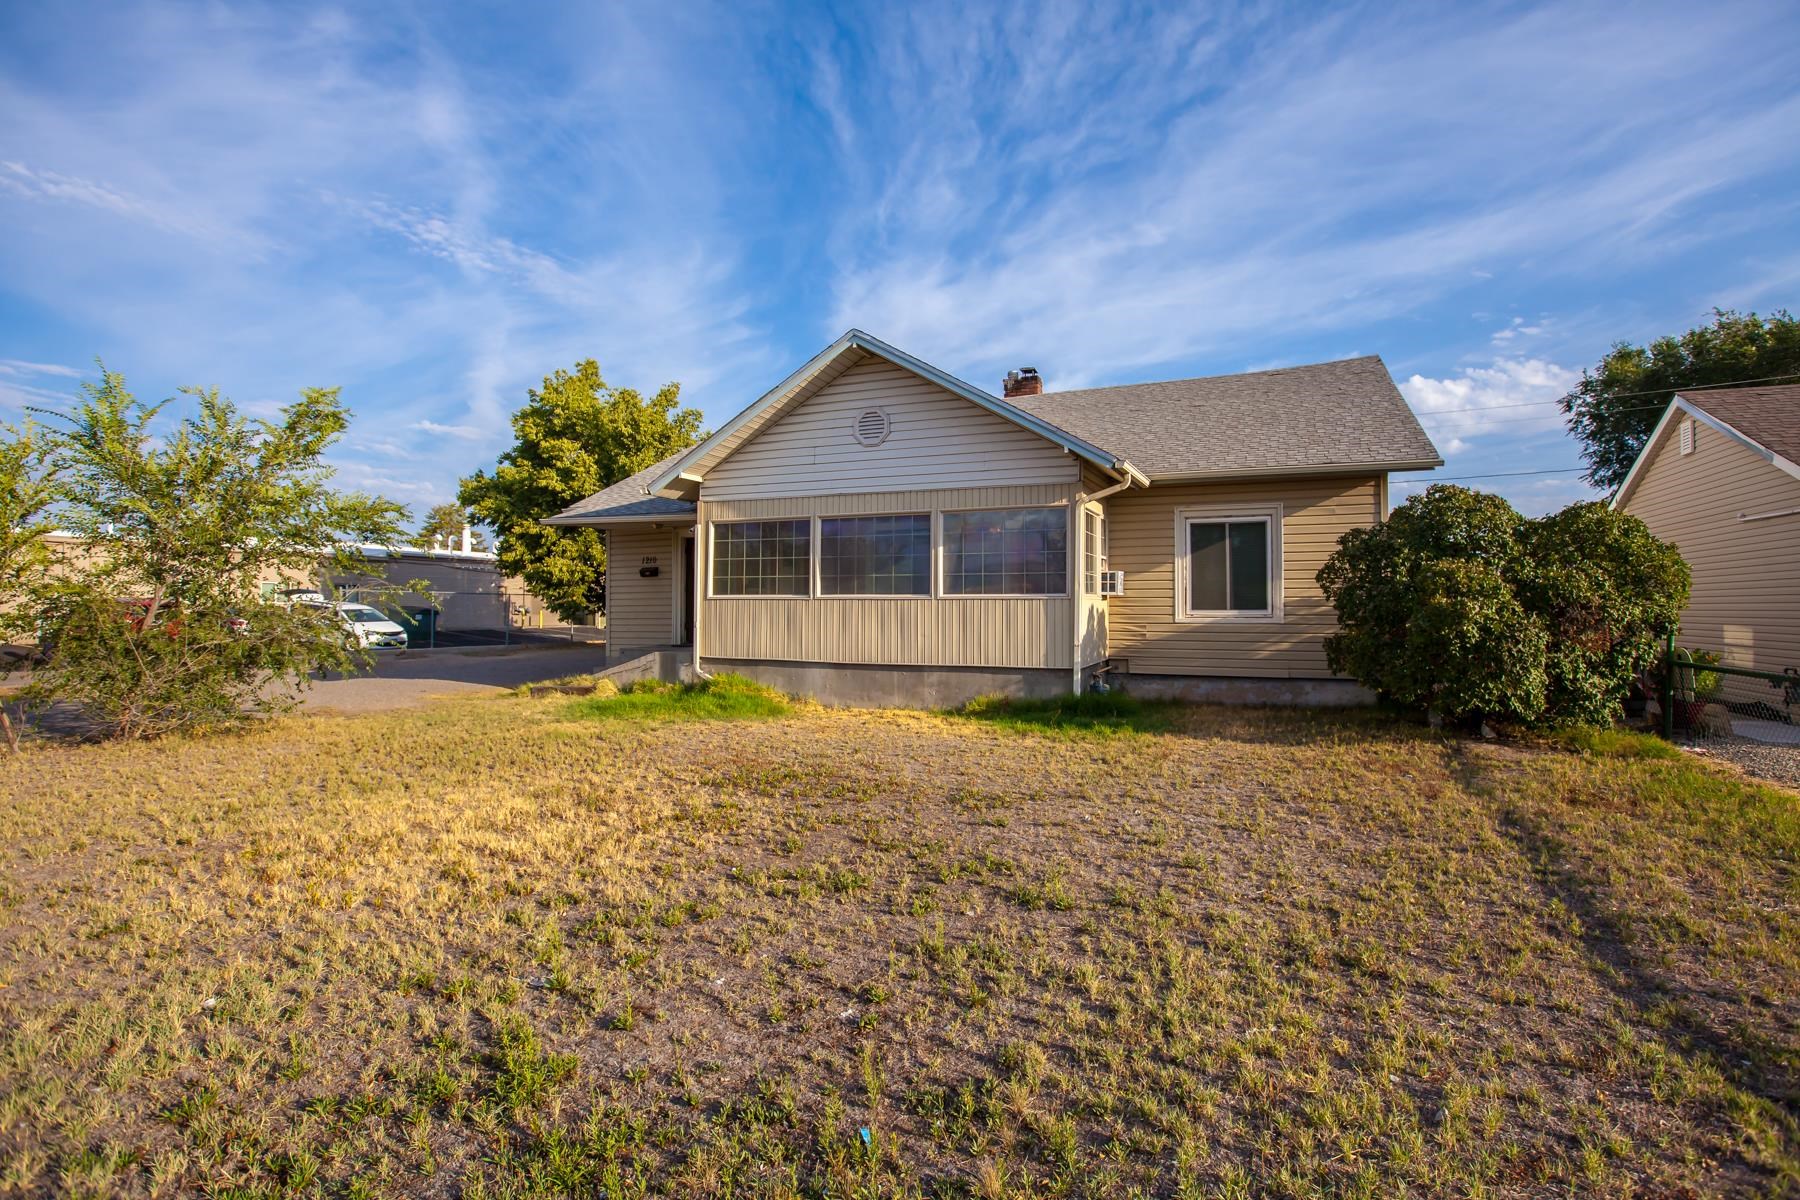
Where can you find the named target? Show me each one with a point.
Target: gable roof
(626, 501)
(856, 346)
(1765, 420)
(1337, 416)
(1329, 416)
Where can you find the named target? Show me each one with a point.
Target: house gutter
(1079, 608)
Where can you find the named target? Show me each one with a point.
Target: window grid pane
(762, 558)
(1008, 552)
(875, 556)
(1228, 566)
(1090, 553)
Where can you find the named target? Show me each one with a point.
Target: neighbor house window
(762, 558)
(875, 556)
(1009, 552)
(1093, 551)
(1230, 564)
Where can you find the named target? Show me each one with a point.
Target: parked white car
(369, 628)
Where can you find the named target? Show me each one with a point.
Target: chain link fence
(1695, 692)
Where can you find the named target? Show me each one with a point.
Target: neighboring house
(465, 586)
(873, 530)
(1718, 478)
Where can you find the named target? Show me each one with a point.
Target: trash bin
(420, 625)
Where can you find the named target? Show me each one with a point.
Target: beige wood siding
(1315, 512)
(917, 631)
(640, 613)
(1746, 595)
(938, 440)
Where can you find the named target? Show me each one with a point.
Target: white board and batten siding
(1745, 600)
(936, 440)
(1316, 512)
(640, 612)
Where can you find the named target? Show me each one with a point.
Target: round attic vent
(872, 427)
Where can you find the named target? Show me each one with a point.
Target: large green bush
(1459, 605)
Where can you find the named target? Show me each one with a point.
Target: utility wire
(1496, 475)
(1698, 387)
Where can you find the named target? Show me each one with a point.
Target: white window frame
(941, 556)
(1211, 514)
(818, 557)
(812, 560)
(1096, 539)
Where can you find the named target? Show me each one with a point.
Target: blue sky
(434, 207)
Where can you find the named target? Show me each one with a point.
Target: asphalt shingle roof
(1334, 414)
(626, 498)
(1768, 416)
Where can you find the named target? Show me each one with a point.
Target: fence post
(1668, 696)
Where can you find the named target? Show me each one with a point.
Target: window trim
(1098, 540)
(712, 559)
(941, 564)
(1206, 514)
(818, 554)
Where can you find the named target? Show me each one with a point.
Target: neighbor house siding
(946, 631)
(1316, 512)
(1746, 592)
(640, 612)
(938, 440)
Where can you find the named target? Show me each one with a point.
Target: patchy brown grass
(494, 948)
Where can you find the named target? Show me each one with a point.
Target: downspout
(1080, 593)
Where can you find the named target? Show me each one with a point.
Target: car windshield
(363, 615)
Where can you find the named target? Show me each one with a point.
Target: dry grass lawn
(502, 947)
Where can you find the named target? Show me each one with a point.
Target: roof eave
(589, 519)
(1693, 409)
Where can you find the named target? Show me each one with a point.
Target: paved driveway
(419, 676)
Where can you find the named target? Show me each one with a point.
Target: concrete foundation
(856, 686)
(1211, 689)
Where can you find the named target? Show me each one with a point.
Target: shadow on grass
(1688, 1024)
(720, 698)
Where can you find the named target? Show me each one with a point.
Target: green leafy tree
(443, 527)
(27, 492)
(574, 437)
(1616, 405)
(1459, 605)
(161, 625)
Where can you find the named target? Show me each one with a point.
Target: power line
(1699, 387)
(1495, 475)
(1527, 420)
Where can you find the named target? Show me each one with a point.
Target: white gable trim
(1691, 407)
(682, 471)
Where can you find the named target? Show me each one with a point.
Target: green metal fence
(1700, 695)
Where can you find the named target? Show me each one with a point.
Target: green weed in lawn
(721, 698)
(1113, 712)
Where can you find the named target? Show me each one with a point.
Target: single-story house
(1720, 479)
(874, 530)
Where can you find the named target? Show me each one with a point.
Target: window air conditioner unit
(1112, 583)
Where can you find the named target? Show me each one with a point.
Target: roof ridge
(1107, 387)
